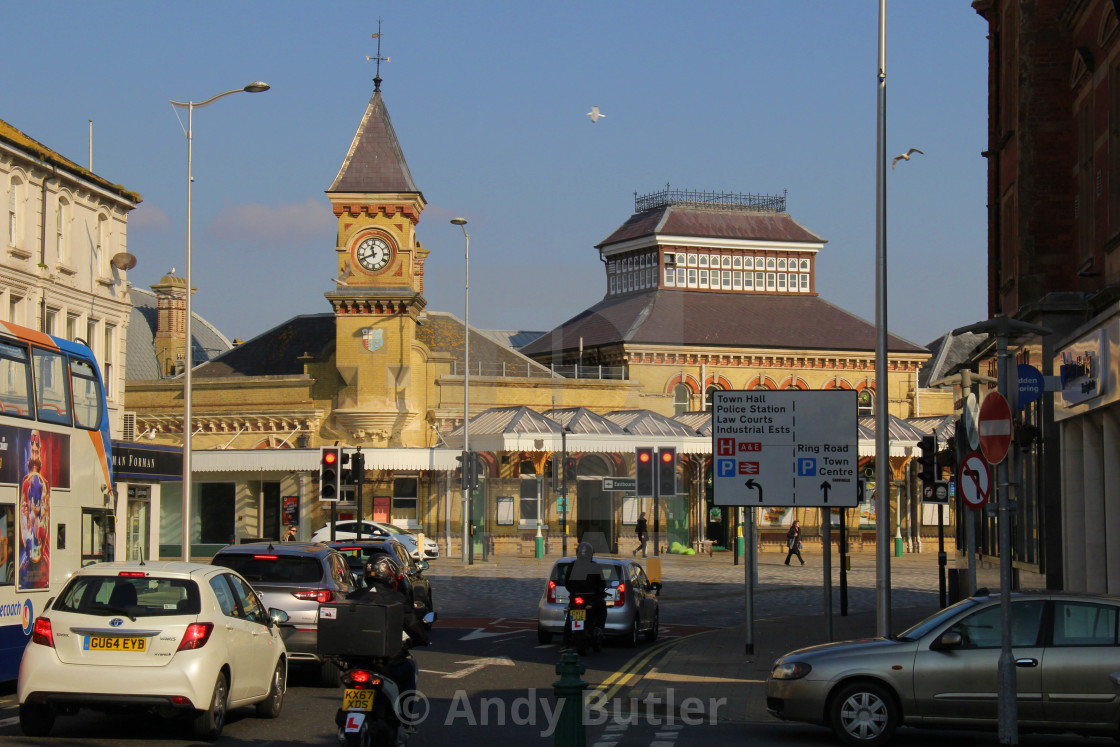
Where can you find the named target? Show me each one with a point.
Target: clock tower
(380, 283)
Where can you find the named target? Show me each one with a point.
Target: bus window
(7, 544)
(87, 395)
(51, 384)
(15, 378)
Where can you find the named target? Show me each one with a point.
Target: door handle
(1026, 663)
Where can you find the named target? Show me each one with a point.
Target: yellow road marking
(629, 671)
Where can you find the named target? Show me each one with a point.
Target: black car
(413, 584)
(295, 577)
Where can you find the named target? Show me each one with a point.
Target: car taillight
(196, 636)
(133, 574)
(551, 592)
(620, 600)
(322, 596)
(42, 633)
(578, 601)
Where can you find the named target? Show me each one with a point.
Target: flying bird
(595, 114)
(905, 156)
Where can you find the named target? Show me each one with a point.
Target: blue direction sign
(1031, 385)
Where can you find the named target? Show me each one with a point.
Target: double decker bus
(56, 478)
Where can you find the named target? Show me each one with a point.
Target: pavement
(788, 612)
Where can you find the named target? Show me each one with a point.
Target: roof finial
(378, 58)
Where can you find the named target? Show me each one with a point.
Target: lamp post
(468, 513)
(190, 106)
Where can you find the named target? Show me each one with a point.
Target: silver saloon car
(942, 672)
(632, 601)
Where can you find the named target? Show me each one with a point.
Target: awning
(287, 460)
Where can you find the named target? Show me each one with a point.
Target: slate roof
(948, 351)
(671, 317)
(686, 220)
(584, 421)
(648, 423)
(277, 351)
(375, 161)
(443, 332)
(141, 362)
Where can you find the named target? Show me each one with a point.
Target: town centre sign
(785, 448)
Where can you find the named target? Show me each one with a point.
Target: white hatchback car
(377, 530)
(187, 639)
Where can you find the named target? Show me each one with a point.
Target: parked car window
(1082, 624)
(293, 569)
(226, 601)
(982, 629)
(248, 601)
(140, 597)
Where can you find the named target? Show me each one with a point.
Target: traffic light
(643, 472)
(570, 469)
(474, 471)
(927, 462)
(667, 471)
(346, 473)
(328, 472)
(464, 461)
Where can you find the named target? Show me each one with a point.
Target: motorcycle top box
(360, 629)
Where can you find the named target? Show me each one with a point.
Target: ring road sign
(975, 479)
(994, 426)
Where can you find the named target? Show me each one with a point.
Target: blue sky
(488, 100)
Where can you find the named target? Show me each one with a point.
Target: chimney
(170, 337)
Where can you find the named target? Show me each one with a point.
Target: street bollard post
(569, 696)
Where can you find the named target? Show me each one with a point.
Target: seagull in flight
(595, 114)
(905, 156)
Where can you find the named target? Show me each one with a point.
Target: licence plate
(579, 614)
(114, 643)
(358, 700)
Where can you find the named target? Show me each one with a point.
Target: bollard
(569, 696)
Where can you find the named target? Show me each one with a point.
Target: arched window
(682, 397)
(61, 221)
(865, 403)
(708, 396)
(14, 188)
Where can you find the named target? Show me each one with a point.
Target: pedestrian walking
(643, 534)
(793, 542)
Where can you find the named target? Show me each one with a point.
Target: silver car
(632, 601)
(943, 671)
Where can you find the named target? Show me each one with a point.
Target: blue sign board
(1030, 385)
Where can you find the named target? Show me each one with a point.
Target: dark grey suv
(295, 577)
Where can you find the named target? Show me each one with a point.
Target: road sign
(975, 479)
(971, 410)
(1031, 385)
(994, 426)
(785, 448)
(620, 483)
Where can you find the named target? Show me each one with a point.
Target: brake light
(42, 633)
(322, 596)
(133, 574)
(551, 591)
(578, 601)
(620, 601)
(196, 636)
(361, 679)
(265, 557)
(180, 700)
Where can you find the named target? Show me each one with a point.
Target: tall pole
(188, 363)
(882, 400)
(564, 484)
(468, 508)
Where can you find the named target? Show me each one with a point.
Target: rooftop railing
(531, 371)
(717, 200)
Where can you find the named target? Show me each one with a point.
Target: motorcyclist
(586, 579)
(381, 588)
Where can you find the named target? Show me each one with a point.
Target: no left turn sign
(975, 479)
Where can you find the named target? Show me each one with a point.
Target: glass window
(782, 263)
(703, 278)
(1084, 624)
(681, 399)
(224, 594)
(770, 264)
(708, 396)
(529, 494)
(804, 265)
(726, 279)
(982, 629)
(50, 319)
(149, 596)
(669, 275)
(703, 260)
(691, 278)
(781, 281)
(737, 262)
(405, 494)
(87, 399)
(51, 386)
(726, 262)
(612, 283)
(681, 281)
(770, 278)
(248, 600)
(691, 260)
(737, 279)
(7, 544)
(804, 282)
(15, 381)
(865, 403)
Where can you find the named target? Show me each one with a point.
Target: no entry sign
(994, 426)
(975, 479)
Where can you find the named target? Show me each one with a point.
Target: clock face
(373, 253)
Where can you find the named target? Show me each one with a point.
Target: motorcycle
(370, 714)
(582, 628)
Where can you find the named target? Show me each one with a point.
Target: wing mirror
(422, 565)
(950, 639)
(278, 616)
(430, 617)
(656, 586)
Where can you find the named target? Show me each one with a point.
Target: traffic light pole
(563, 490)
(358, 475)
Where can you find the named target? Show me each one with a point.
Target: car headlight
(793, 670)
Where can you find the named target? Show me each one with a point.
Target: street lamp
(468, 514)
(190, 106)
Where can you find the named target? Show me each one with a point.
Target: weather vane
(378, 58)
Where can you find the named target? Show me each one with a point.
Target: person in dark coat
(642, 531)
(793, 542)
(586, 578)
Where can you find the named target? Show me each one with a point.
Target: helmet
(585, 551)
(381, 568)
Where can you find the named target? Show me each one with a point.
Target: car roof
(604, 561)
(160, 568)
(277, 548)
(364, 544)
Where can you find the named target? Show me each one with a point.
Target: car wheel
(36, 720)
(651, 634)
(270, 706)
(543, 637)
(632, 636)
(329, 674)
(863, 714)
(208, 724)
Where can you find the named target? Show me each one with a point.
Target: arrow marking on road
(473, 665)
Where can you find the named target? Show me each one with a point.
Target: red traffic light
(330, 457)
(667, 456)
(644, 456)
